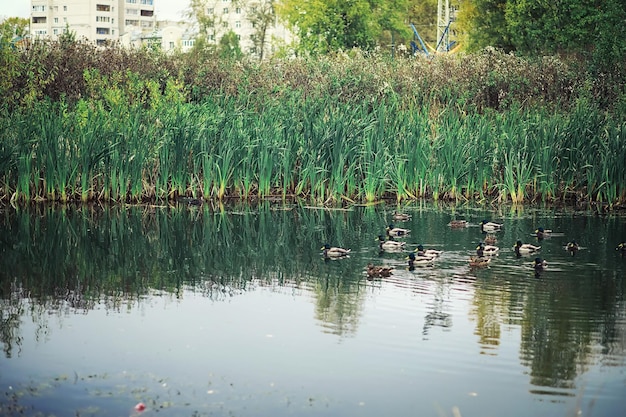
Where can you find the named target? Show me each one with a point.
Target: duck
(572, 247)
(377, 271)
(431, 253)
(334, 252)
(479, 261)
(539, 264)
(487, 226)
(621, 248)
(397, 231)
(525, 248)
(458, 224)
(540, 233)
(390, 245)
(402, 217)
(419, 260)
(487, 250)
(490, 239)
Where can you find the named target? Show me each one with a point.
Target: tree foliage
(330, 25)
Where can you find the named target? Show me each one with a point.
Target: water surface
(232, 311)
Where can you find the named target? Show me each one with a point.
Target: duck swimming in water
(572, 247)
(487, 226)
(401, 217)
(540, 233)
(487, 250)
(333, 251)
(479, 261)
(539, 264)
(458, 224)
(390, 245)
(375, 271)
(431, 253)
(393, 231)
(621, 248)
(525, 248)
(419, 260)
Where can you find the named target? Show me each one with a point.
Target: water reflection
(71, 260)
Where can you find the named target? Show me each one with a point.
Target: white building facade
(134, 23)
(99, 21)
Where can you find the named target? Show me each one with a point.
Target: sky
(164, 9)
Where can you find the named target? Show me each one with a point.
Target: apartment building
(100, 21)
(134, 23)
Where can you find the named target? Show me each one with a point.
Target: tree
(229, 46)
(13, 27)
(262, 16)
(330, 25)
(484, 23)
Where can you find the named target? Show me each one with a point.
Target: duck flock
(485, 251)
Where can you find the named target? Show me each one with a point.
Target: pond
(232, 311)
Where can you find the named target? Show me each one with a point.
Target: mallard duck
(419, 260)
(487, 226)
(375, 271)
(458, 224)
(402, 217)
(540, 233)
(490, 240)
(390, 245)
(572, 247)
(333, 251)
(478, 261)
(487, 250)
(524, 248)
(539, 264)
(396, 231)
(430, 253)
(621, 248)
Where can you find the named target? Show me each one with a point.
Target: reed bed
(343, 129)
(324, 151)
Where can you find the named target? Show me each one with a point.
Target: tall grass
(410, 131)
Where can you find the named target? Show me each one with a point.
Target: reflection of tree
(436, 316)
(488, 309)
(338, 306)
(560, 326)
(11, 311)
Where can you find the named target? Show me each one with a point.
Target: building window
(171, 45)
(225, 10)
(37, 19)
(65, 8)
(39, 8)
(131, 1)
(237, 24)
(238, 10)
(56, 20)
(132, 11)
(102, 31)
(238, 37)
(103, 19)
(103, 8)
(41, 32)
(65, 20)
(224, 24)
(211, 37)
(210, 10)
(55, 31)
(188, 43)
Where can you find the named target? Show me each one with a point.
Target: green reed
(326, 151)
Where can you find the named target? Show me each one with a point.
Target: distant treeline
(80, 123)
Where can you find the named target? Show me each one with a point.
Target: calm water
(233, 312)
